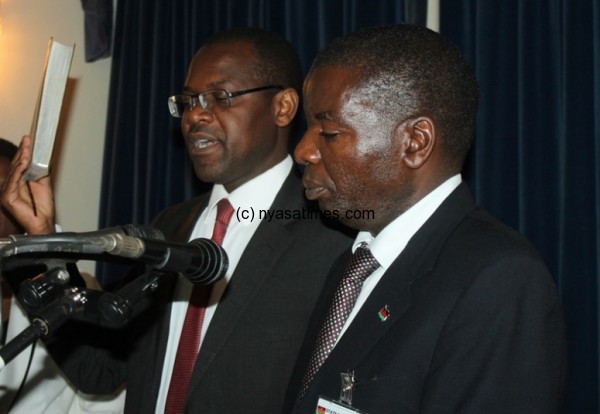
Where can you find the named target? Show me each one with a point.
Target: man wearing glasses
(237, 110)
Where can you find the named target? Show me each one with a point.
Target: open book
(47, 111)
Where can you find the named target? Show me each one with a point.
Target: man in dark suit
(237, 109)
(454, 312)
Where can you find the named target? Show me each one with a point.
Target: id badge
(328, 406)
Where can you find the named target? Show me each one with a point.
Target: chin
(333, 204)
(324, 205)
(208, 174)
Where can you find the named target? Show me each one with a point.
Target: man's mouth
(314, 193)
(313, 189)
(201, 144)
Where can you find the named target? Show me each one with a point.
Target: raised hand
(30, 203)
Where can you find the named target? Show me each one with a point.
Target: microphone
(35, 292)
(202, 261)
(44, 324)
(93, 242)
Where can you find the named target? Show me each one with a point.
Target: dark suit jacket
(252, 342)
(474, 326)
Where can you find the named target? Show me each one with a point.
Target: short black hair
(279, 63)
(8, 150)
(413, 71)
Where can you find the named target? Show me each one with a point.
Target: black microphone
(36, 291)
(44, 323)
(94, 242)
(202, 261)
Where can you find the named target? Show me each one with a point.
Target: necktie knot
(361, 265)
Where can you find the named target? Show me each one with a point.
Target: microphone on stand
(93, 242)
(35, 292)
(202, 261)
(44, 324)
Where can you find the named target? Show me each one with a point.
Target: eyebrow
(324, 116)
(212, 85)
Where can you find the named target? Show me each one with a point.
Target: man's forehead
(222, 67)
(331, 84)
(338, 77)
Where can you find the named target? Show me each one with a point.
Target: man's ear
(422, 138)
(286, 106)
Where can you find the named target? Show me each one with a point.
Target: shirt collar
(390, 242)
(256, 194)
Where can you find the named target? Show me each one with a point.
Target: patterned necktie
(189, 341)
(361, 265)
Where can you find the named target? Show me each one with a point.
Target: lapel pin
(384, 313)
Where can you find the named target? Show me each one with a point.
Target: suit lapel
(185, 221)
(392, 294)
(264, 250)
(394, 288)
(176, 227)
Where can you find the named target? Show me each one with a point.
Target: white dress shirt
(247, 200)
(394, 237)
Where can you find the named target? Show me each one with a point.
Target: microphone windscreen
(212, 262)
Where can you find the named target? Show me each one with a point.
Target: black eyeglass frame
(202, 101)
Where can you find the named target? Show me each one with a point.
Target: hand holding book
(28, 190)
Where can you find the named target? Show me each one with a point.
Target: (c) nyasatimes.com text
(301, 214)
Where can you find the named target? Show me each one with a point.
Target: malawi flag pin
(384, 313)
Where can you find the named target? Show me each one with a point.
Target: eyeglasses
(221, 98)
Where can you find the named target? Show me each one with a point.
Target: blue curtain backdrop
(146, 167)
(536, 159)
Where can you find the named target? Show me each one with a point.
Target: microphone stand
(118, 308)
(112, 310)
(34, 293)
(107, 309)
(45, 323)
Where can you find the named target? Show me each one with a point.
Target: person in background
(32, 383)
(8, 226)
(438, 307)
(237, 109)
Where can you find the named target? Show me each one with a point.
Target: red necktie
(189, 341)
